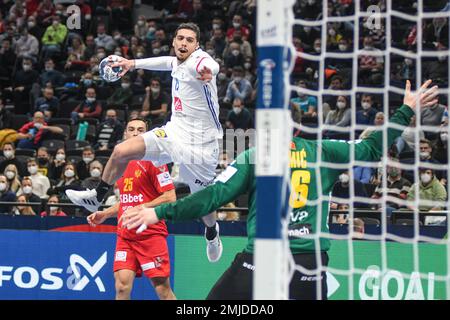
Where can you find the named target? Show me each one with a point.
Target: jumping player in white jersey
(191, 136)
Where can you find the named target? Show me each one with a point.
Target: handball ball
(107, 72)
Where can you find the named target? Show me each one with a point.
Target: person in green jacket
(430, 191)
(54, 37)
(239, 178)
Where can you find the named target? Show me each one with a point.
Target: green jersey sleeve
(232, 182)
(370, 148)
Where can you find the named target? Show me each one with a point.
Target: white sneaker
(214, 247)
(86, 199)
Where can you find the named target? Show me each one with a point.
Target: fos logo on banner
(61, 265)
(27, 277)
(92, 270)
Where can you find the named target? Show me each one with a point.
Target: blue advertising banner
(63, 265)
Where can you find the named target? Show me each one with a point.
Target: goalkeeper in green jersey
(239, 178)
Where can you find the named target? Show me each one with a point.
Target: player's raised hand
(98, 217)
(205, 74)
(426, 97)
(125, 64)
(138, 216)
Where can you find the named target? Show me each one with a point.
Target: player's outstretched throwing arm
(156, 64)
(237, 179)
(371, 148)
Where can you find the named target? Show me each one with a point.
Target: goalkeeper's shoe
(86, 199)
(214, 247)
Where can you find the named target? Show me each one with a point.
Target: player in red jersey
(144, 185)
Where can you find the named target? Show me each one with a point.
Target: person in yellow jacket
(54, 37)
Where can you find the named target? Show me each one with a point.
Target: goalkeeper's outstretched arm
(231, 183)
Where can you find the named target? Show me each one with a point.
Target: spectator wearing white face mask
(237, 24)
(82, 167)
(21, 85)
(6, 195)
(95, 171)
(67, 180)
(27, 191)
(120, 40)
(340, 116)
(239, 87)
(233, 56)
(141, 28)
(426, 154)
(89, 108)
(12, 174)
(430, 189)
(239, 117)
(156, 49)
(41, 183)
(9, 151)
(52, 208)
(222, 83)
(368, 112)
(104, 40)
(56, 166)
(341, 192)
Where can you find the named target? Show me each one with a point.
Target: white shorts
(197, 162)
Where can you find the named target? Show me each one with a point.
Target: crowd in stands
(59, 121)
(68, 119)
(359, 114)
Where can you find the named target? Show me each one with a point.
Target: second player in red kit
(141, 185)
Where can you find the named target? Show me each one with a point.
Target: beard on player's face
(184, 51)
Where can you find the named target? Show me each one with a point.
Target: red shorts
(150, 256)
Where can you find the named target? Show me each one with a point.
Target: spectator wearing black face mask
(109, 132)
(43, 160)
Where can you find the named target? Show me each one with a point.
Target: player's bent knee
(162, 288)
(123, 289)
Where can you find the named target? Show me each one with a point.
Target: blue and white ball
(107, 72)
